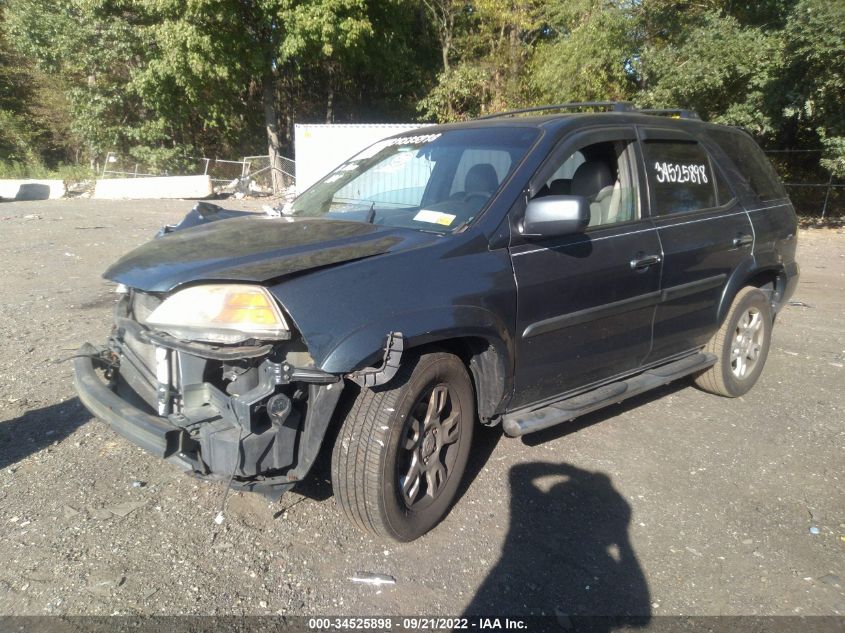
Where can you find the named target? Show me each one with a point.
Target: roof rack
(672, 112)
(613, 106)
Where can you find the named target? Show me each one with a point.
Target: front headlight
(221, 313)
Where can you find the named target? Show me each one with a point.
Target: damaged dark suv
(520, 270)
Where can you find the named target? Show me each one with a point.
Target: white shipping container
(321, 148)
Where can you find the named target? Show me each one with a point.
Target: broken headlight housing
(221, 313)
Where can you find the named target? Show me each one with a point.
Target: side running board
(522, 423)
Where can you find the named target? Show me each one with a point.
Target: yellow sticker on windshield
(434, 217)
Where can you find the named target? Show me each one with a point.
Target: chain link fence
(813, 190)
(250, 175)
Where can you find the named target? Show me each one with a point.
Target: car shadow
(567, 555)
(484, 442)
(39, 428)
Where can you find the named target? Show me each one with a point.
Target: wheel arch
(474, 334)
(488, 370)
(770, 279)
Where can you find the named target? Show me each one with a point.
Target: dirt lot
(677, 502)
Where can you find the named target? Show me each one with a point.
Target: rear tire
(741, 346)
(402, 450)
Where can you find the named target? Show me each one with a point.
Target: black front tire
(401, 452)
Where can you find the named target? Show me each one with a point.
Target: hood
(255, 249)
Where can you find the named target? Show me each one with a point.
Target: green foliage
(834, 157)
(461, 93)
(720, 69)
(32, 124)
(34, 169)
(811, 80)
(588, 53)
(169, 78)
(16, 140)
(159, 81)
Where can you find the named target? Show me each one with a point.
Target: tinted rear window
(751, 163)
(680, 177)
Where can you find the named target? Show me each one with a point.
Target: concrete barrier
(155, 187)
(31, 189)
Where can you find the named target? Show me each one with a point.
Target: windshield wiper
(371, 214)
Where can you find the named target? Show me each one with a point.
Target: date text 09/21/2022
(417, 623)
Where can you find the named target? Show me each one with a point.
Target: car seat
(481, 179)
(594, 181)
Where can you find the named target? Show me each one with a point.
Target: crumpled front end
(254, 412)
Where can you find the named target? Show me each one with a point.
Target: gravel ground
(677, 502)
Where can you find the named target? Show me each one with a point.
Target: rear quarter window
(680, 177)
(751, 163)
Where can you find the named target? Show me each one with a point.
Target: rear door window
(680, 177)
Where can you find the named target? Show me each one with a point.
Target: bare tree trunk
(330, 105)
(268, 96)
(330, 94)
(442, 13)
(447, 29)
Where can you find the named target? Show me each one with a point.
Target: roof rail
(613, 106)
(676, 113)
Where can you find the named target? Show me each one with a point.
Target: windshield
(431, 182)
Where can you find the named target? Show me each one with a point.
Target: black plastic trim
(649, 133)
(683, 290)
(599, 312)
(618, 307)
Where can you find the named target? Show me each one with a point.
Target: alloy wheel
(429, 447)
(747, 343)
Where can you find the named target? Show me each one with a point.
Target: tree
(16, 91)
(720, 69)
(238, 48)
(163, 80)
(809, 88)
(88, 54)
(445, 15)
(492, 43)
(587, 52)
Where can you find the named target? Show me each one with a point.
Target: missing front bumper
(208, 439)
(154, 434)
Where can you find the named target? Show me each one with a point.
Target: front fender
(365, 346)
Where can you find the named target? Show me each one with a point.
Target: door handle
(643, 262)
(743, 240)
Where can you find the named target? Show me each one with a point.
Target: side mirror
(551, 216)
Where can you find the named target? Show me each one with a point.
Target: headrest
(481, 177)
(590, 178)
(560, 187)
